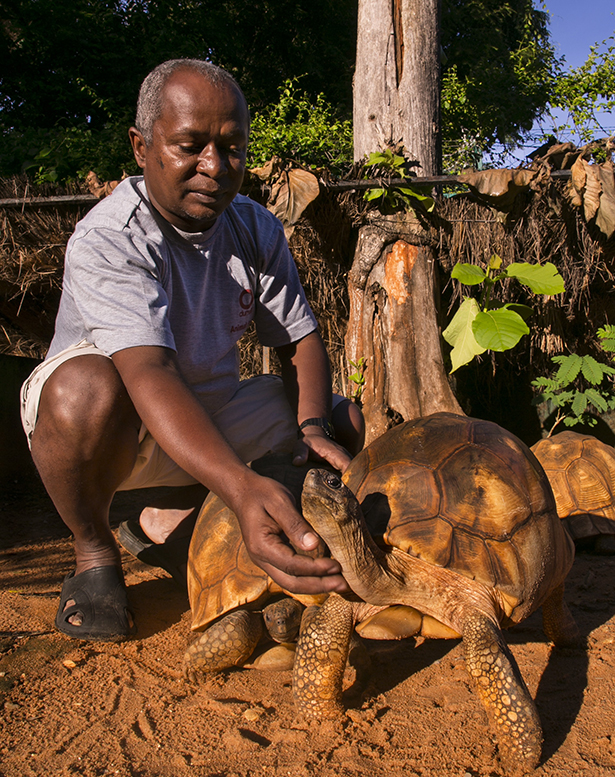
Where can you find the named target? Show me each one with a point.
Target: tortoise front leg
(320, 659)
(499, 683)
(229, 642)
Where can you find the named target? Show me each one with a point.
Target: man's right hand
(266, 512)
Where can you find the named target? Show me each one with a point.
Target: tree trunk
(393, 323)
(397, 80)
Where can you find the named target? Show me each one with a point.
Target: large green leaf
(540, 278)
(499, 330)
(459, 334)
(468, 274)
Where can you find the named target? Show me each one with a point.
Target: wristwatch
(324, 424)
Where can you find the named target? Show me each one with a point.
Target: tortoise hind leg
(508, 703)
(320, 658)
(557, 621)
(227, 643)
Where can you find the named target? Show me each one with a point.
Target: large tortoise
(468, 540)
(581, 470)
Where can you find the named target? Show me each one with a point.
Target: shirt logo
(246, 303)
(246, 299)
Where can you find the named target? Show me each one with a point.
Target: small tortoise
(234, 603)
(471, 541)
(581, 470)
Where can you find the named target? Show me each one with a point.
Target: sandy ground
(76, 708)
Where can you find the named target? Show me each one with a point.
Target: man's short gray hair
(149, 104)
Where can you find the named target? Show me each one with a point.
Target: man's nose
(211, 161)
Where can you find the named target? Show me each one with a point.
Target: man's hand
(266, 512)
(316, 445)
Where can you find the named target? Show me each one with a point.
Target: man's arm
(307, 380)
(265, 509)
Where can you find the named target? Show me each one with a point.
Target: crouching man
(141, 388)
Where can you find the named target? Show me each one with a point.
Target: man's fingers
(321, 448)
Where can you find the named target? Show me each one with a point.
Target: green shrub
(297, 128)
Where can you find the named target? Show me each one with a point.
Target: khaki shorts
(256, 420)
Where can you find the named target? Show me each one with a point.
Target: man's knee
(85, 393)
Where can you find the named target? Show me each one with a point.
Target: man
(140, 387)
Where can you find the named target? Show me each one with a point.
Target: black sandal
(102, 602)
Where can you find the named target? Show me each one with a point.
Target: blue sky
(575, 26)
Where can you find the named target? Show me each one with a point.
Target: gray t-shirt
(132, 279)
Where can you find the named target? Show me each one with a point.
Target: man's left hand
(316, 445)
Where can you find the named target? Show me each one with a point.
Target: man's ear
(138, 145)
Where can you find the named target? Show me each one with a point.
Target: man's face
(195, 163)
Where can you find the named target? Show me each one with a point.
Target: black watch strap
(324, 424)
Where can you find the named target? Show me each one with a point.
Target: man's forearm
(178, 422)
(307, 377)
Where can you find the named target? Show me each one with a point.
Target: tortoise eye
(333, 481)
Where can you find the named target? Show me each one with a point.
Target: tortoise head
(326, 500)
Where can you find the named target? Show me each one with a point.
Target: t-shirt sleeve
(283, 314)
(115, 285)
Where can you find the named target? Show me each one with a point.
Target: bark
(393, 325)
(397, 80)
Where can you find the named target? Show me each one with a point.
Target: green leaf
(597, 400)
(570, 366)
(495, 262)
(427, 202)
(592, 371)
(525, 311)
(459, 334)
(373, 194)
(540, 278)
(499, 330)
(468, 274)
(579, 403)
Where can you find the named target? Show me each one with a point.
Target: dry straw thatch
(541, 226)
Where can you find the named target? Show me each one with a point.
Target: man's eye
(190, 150)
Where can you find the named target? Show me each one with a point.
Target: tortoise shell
(466, 494)
(581, 470)
(221, 574)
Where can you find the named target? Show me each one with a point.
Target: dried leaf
(577, 182)
(593, 190)
(561, 155)
(269, 169)
(605, 218)
(499, 187)
(291, 194)
(100, 188)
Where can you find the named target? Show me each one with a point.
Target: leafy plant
(487, 323)
(581, 386)
(388, 164)
(357, 377)
(297, 128)
(587, 90)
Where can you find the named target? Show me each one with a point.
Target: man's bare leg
(84, 445)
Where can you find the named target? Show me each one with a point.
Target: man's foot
(172, 555)
(94, 606)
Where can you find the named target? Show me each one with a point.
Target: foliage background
(71, 71)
